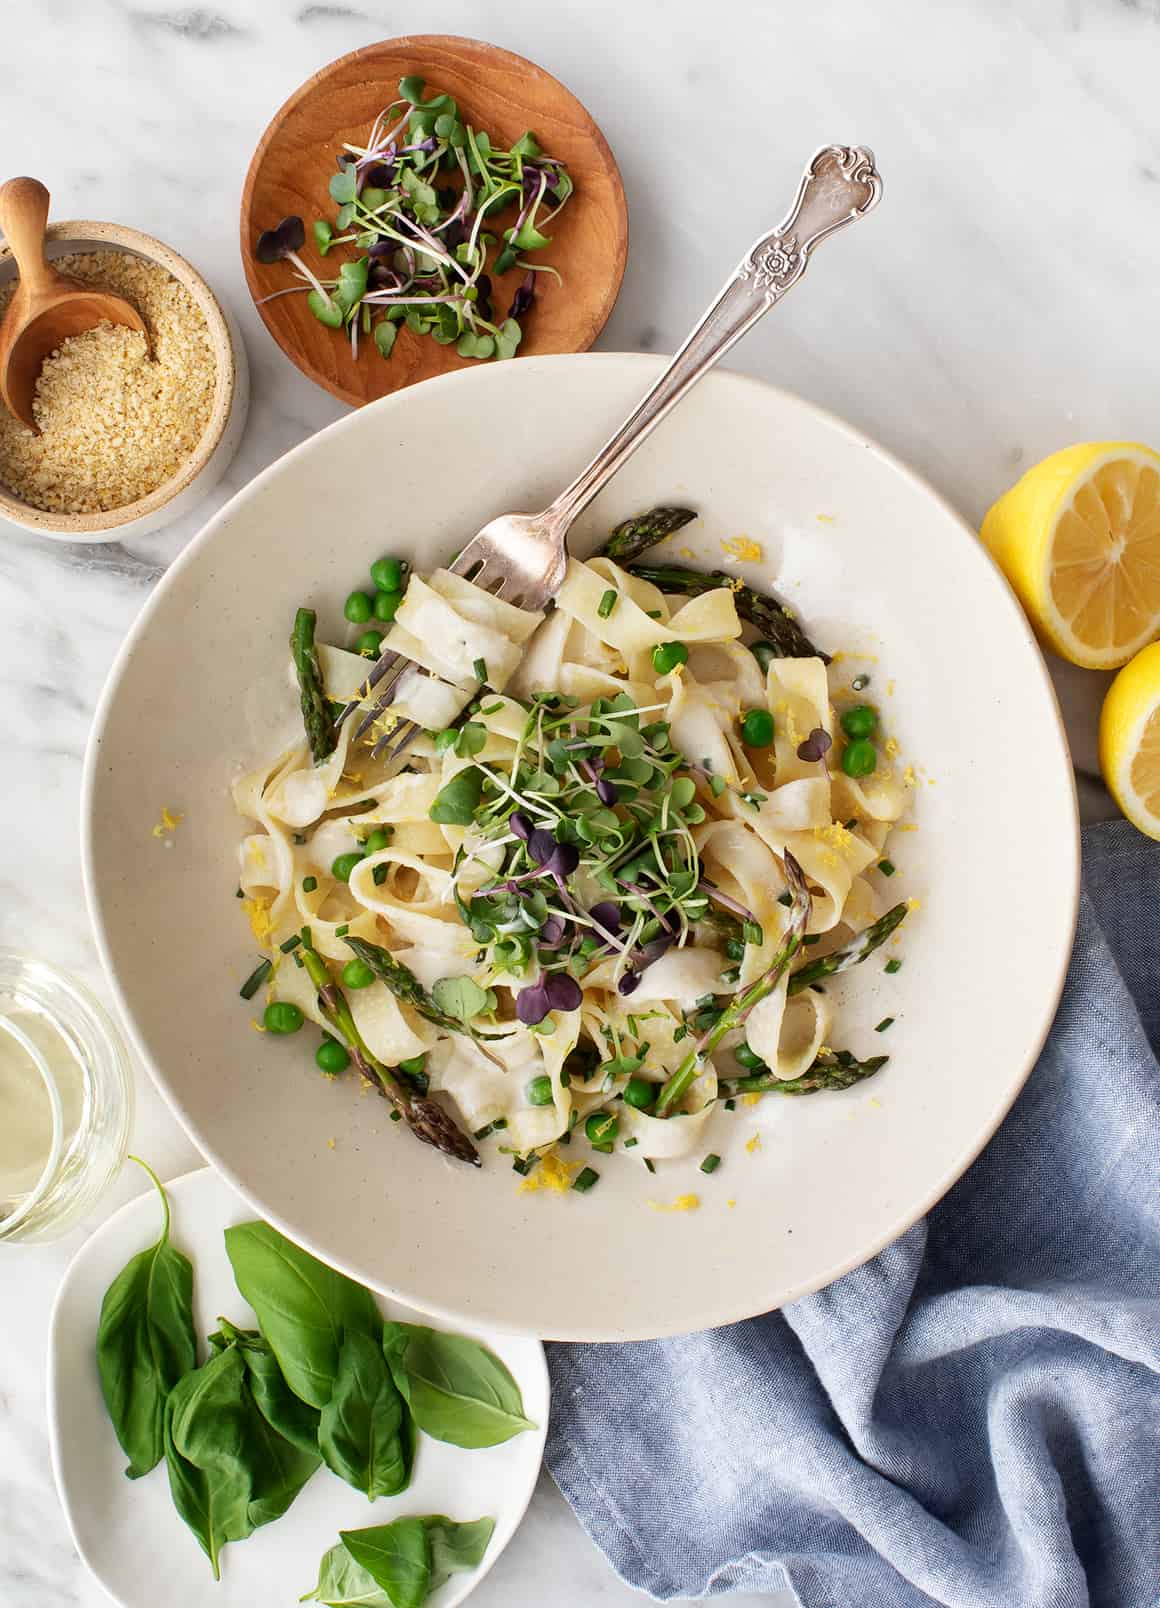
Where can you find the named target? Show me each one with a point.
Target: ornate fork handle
(839, 185)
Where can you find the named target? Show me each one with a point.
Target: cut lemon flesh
(1078, 537)
(1130, 740)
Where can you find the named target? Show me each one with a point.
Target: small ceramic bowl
(201, 472)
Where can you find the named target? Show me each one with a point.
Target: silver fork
(522, 557)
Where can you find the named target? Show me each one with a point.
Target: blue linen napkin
(970, 1419)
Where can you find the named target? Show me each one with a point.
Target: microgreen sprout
(426, 202)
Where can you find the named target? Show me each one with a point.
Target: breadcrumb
(115, 421)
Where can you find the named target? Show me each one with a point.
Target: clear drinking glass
(66, 1100)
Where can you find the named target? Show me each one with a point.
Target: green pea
(413, 1065)
(764, 652)
(357, 974)
(331, 1057)
(358, 608)
(387, 574)
(345, 864)
(860, 721)
(601, 1128)
(747, 1057)
(667, 656)
(539, 1091)
(370, 644)
(282, 1017)
(386, 603)
(639, 1093)
(860, 758)
(757, 728)
(378, 840)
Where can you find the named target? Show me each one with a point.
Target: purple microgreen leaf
(275, 244)
(564, 860)
(532, 1004)
(607, 792)
(551, 933)
(523, 297)
(629, 983)
(606, 914)
(816, 746)
(541, 846)
(521, 825)
(563, 992)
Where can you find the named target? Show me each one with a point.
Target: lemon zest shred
(743, 548)
(683, 1203)
(750, 1099)
(891, 747)
(169, 822)
(753, 1144)
(257, 1026)
(553, 1174)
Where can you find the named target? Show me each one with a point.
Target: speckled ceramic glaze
(876, 565)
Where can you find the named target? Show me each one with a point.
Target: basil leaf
(458, 1391)
(145, 1344)
(361, 1434)
(343, 1583)
(397, 1557)
(455, 1548)
(276, 1402)
(456, 802)
(304, 1308)
(229, 1472)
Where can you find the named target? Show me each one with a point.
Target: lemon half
(1078, 537)
(1130, 740)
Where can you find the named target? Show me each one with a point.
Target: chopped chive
(341, 932)
(565, 1077)
(290, 944)
(752, 933)
(299, 838)
(396, 1116)
(812, 938)
(256, 978)
(307, 938)
(482, 1133)
(309, 884)
(852, 824)
(239, 894)
(564, 1139)
(491, 708)
(584, 1180)
(785, 899)
(860, 682)
(298, 961)
(654, 614)
(607, 603)
(649, 1165)
(480, 668)
(731, 1105)
(524, 1164)
(710, 1163)
(887, 867)
(894, 965)
(628, 1143)
(884, 1024)
(379, 875)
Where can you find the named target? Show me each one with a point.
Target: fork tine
(396, 741)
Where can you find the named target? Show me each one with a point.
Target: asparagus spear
(316, 715)
(777, 626)
(737, 1011)
(827, 1072)
(426, 1119)
(636, 536)
(853, 954)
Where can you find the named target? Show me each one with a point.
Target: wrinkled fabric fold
(972, 1418)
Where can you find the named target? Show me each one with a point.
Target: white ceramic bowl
(222, 435)
(873, 561)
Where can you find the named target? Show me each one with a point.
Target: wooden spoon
(48, 306)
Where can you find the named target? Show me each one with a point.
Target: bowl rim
(83, 234)
(272, 131)
(647, 365)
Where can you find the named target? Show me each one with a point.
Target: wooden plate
(497, 91)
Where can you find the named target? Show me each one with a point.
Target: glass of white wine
(66, 1100)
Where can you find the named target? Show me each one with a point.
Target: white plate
(128, 1531)
(873, 561)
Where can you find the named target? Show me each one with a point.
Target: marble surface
(999, 305)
